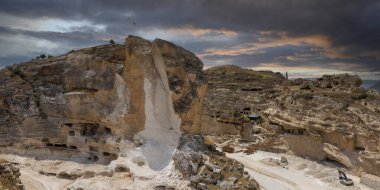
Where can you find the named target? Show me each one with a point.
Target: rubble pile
(207, 168)
(9, 176)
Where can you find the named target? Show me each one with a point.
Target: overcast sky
(304, 37)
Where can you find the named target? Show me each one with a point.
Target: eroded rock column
(161, 125)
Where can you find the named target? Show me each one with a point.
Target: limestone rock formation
(234, 91)
(84, 104)
(334, 121)
(329, 119)
(123, 106)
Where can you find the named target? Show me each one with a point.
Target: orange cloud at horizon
(202, 31)
(281, 39)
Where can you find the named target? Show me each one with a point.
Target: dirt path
(311, 176)
(32, 180)
(270, 177)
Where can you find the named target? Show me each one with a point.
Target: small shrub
(112, 41)
(17, 72)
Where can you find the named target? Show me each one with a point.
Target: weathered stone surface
(233, 91)
(83, 104)
(186, 81)
(9, 176)
(228, 149)
(188, 162)
(329, 119)
(337, 123)
(339, 82)
(95, 104)
(207, 168)
(335, 154)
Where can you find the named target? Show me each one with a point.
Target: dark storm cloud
(347, 21)
(351, 27)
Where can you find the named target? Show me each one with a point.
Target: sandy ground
(104, 176)
(32, 180)
(299, 174)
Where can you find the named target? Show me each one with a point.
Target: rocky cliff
(119, 112)
(83, 104)
(331, 119)
(234, 91)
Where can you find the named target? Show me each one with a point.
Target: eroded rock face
(330, 119)
(186, 82)
(234, 91)
(339, 82)
(83, 105)
(338, 122)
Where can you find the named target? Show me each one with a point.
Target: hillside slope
(331, 119)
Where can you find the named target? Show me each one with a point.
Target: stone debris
(283, 160)
(228, 149)
(9, 176)
(207, 168)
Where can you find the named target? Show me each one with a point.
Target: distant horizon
(365, 76)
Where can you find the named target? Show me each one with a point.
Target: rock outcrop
(125, 106)
(234, 91)
(206, 168)
(85, 104)
(329, 119)
(334, 119)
